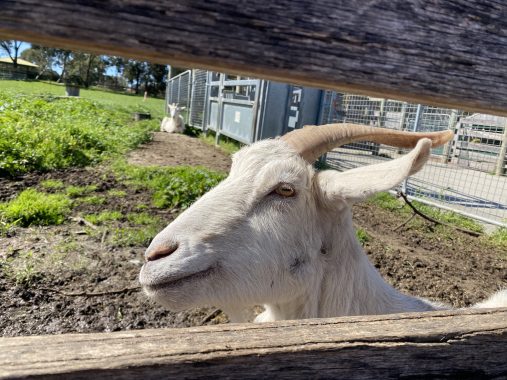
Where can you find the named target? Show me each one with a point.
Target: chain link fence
(179, 91)
(467, 176)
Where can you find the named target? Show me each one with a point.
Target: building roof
(21, 62)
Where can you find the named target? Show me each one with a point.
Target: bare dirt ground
(61, 261)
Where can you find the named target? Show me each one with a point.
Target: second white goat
(173, 123)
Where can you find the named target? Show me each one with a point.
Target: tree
(156, 78)
(62, 58)
(89, 67)
(11, 47)
(134, 71)
(43, 57)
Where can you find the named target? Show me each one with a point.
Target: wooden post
(446, 344)
(446, 53)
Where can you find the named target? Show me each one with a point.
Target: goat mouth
(181, 280)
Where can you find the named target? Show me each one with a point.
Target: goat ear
(357, 184)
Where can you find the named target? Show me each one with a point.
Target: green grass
(389, 202)
(117, 193)
(172, 187)
(227, 145)
(362, 236)
(31, 207)
(134, 236)
(93, 200)
(130, 103)
(142, 219)
(52, 184)
(104, 217)
(23, 269)
(41, 132)
(499, 238)
(79, 191)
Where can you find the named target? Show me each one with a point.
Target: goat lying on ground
(173, 123)
(275, 232)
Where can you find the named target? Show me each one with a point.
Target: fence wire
(198, 98)
(468, 175)
(179, 91)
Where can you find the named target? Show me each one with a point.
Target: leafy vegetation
(499, 238)
(362, 236)
(229, 146)
(31, 207)
(93, 200)
(173, 187)
(22, 269)
(46, 133)
(388, 202)
(52, 184)
(79, 191)
(103, 217)
(111, 100)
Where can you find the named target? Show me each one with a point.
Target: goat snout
(161, 251)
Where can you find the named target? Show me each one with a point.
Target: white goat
(275, 232)
(173, 123)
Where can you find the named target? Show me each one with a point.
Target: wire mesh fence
(179, 91)
(198, 98)
(468, 175)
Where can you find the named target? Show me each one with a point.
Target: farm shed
(245, 109)
(362, 49)
(24, 70)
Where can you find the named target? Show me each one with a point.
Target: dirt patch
(50, 261)
(168, 149)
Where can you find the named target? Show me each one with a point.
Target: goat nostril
(161, 252)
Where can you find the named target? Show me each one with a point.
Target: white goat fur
(241, 244)
(173, 123)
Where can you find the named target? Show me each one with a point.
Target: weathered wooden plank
(471, 343)
(449, 53)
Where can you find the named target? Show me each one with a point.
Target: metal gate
(232, 106)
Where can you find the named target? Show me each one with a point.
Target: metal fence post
(418, 114)
(500, 166)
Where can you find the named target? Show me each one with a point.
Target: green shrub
(35, 208)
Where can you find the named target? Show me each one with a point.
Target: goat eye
(285, 190)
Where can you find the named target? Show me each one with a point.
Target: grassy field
(127, 102)
(42, 130)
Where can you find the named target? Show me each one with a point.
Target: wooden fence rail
(448, 53)
(461, 344)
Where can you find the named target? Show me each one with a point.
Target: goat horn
(313, 141)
